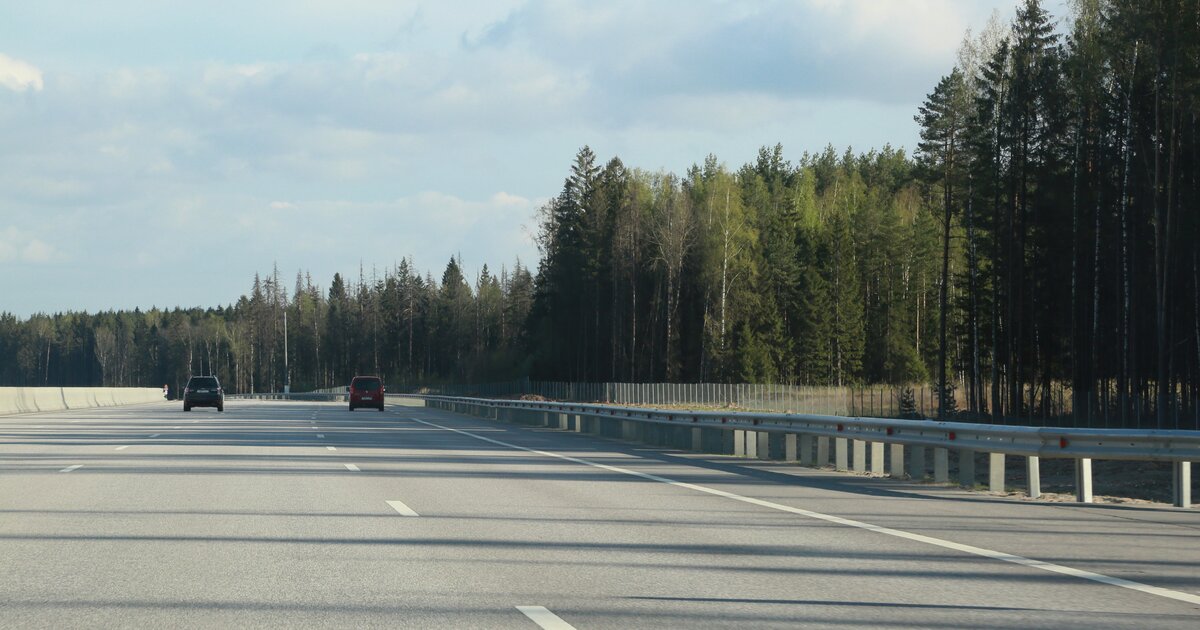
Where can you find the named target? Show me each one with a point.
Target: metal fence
(1052, 406)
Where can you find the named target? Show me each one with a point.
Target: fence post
(941, 465)
(897, 463)
(966, 468)
(1181, 476)
(1033, 476)
(1083, 480)
(996, 472)
(860, 456)
(806, 449)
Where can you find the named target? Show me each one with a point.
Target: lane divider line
(320, 435)
(70, 468)
(121, 448)
(332, 448)
(544, 618)
(154, 435)
(351, 467)
(879, 529)
(403, 509)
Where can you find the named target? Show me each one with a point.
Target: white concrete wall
(30, 399)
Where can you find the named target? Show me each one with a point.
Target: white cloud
(22, 246)
(19, 76)
(282, 205)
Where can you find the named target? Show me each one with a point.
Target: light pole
(287, 368)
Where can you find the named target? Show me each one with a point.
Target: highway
(305, 515)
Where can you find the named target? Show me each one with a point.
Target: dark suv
(203, 391)
(366, 391)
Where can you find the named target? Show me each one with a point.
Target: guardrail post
(751, 444)
(697, 439)
(966, 468)
(897, 461)
(822, 451)
(841, 454)
(876, 458)
(916, 463)
(996, 472)
(739, 442)
(1033, 476)
(1181, 477)
(764, 445)
(806, 450)
(789, 447)
(941, 465)
(1083, 480)
(860, 456)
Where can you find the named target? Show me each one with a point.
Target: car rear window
(366, 384)
(202, 381)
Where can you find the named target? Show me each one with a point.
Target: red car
(366, 391)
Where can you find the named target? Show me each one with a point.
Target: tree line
(396, 323)
(1040, 243)
(1037, 252)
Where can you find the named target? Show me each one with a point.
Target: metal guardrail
(306, 396)
(751, 430)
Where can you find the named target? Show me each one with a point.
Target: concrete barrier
(15, 400)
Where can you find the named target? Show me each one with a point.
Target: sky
(160, 153)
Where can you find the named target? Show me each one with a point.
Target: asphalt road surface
(277, 514)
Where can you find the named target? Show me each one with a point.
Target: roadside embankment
(30, 399)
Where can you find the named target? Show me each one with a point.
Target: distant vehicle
(203, 391)
(366, 391)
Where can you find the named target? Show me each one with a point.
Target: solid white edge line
(70, 468)
(544, 618)
(938, 542)
(351, 467)
(403, 509)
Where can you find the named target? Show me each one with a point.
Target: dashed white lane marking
(70, 468)
(404, 510)
(351, 467)
(154, 435)
(879, 529)
(320, 435)
(177, 427)
(332, 448)
(544, 618)
(121, 448)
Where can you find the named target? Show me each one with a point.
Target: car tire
(187, 407)
(351, 407)
(220, 408)
(380, 407)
